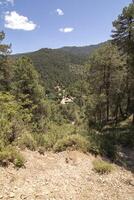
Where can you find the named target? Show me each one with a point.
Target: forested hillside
(81, 51)
(56, 66)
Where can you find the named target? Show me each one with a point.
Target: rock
(1, 197)
(132, 182)
(15, 187)
(88, 179)
(11, 195)
(23, 196)
(47, 192)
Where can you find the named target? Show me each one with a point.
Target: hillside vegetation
(58, 66)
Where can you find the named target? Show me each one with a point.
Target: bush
(1, 145)
(94, 149)
(19, 161)
(47, 141)
(10, 118)
(103, 144)
(102, 167)
(10, 154)
(4, 158)
(27, 141)
(39, 138)
(75, 142)
(54, 133)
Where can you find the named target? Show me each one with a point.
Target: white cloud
(10, 1)
(59, 12)
(66, 29)
(15, 21)
(6, 2)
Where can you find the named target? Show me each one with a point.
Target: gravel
(50, 177)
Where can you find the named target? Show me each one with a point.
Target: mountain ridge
(65, 48)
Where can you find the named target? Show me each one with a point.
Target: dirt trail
(64, 176)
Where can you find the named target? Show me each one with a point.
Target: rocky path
(64, 176)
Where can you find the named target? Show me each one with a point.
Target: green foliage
(70, 112)
(106, 141)
(122, 135)
(108, 145)
(11, 124)
(75, 142)
(1, 144)
(28, 90)
(19, 161)
(102, 167)
(103, 143)
(102, 91)
(27, 141)
(53, 134)
(5, 69)
(10, 154)
(94, 148)
(123, 33)
(106, 74)
(123, 36)
(60, 137)
(54, 65)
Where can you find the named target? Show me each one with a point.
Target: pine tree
(106, 74)
(27, 88)
(123, 36)
(5, 69)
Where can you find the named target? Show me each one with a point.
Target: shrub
(19, 161)
(10, 154)
(1, 145)
(47, 141)
(76, 142)
(27, 141)
(54, 133)
(10, 118)
(4, 158)
(94, 149)
(39, 138)
(102, 167)
(103, 143)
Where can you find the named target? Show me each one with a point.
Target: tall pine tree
(123, 36)
(5, 70)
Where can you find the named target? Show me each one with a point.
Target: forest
(69, 98)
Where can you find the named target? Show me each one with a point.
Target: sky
(34, 24)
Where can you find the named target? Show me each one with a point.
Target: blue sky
(33, 24)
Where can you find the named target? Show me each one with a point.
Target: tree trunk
(116, 113)
(121, 112)
(107, 107)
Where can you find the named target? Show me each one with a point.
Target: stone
(11, 195)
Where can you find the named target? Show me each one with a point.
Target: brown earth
(64, 176)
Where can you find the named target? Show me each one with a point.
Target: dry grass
(102, 167)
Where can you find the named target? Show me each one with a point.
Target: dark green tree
(5, 68)
(27, 88)
(105, 77)
(123, 36)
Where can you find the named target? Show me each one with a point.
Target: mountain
(60, 66)
(85, 50)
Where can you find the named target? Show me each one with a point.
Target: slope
(55, 65)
